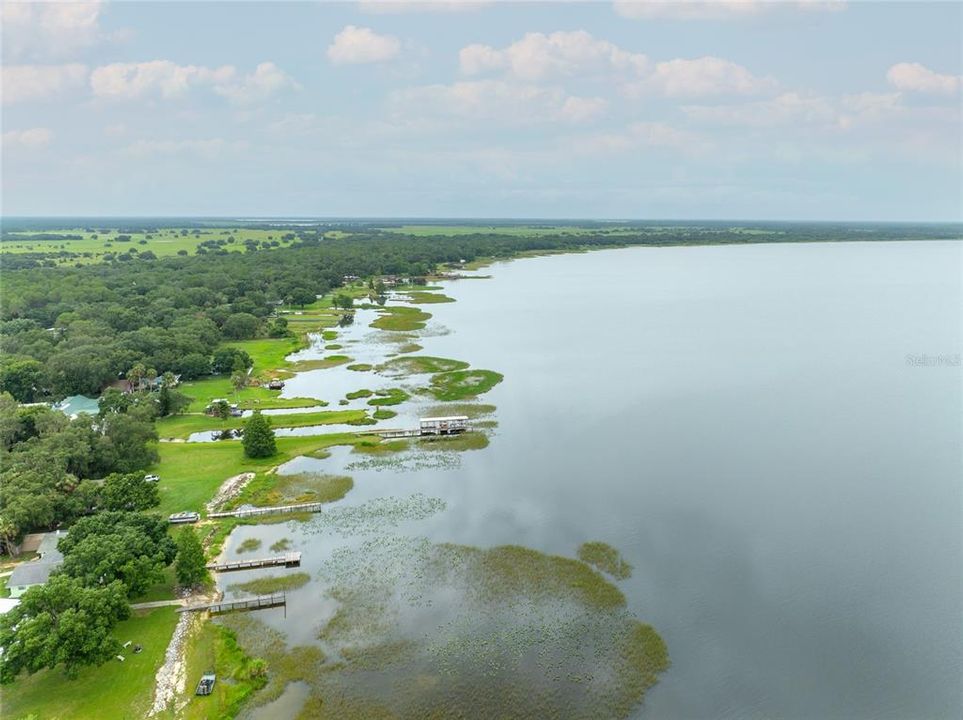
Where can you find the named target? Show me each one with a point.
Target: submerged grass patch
(249, 545)
(605, 558)
(328, 362)
(274, 489)
(409, 348)
(383, 414)
(360, 367)
(469, 410)
(401, 319)
(391, 396)
(273, 583)
(462, 384)
(281, 545)
(421, 297)
(462, 441)
(423, 364)
(454, 631)
(357, 394)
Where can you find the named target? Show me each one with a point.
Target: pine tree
(190, 564)
(258, 437)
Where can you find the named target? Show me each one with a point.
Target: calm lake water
(754, 429)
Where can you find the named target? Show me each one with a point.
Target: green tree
(171, 402)
(226, 359)
(239, 380)
(190, 565)
(241, 326)
(21, 378)
(258, 437)
(61, 623)
(129, 492)
(131, 547)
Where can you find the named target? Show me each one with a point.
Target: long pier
(275, 510)
(291, 559)
(254, 603)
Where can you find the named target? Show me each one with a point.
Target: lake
(771, 435)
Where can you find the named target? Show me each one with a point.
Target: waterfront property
(37, 572)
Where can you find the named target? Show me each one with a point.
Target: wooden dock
(275, 510)
(394, 433)
(254, 603)
(291, 559)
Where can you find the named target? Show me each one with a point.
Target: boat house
(444, 425)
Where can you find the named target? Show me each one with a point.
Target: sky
(735, 109)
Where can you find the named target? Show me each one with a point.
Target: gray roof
(48, 547)
(32, 573)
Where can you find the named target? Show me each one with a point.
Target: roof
(449, 418)
(32, 573)
(48, 547)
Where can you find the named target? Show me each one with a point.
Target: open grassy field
(93, 245)
(121, 690)
(517, 230)
(190, 473)
(181, 426)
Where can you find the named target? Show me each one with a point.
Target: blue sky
(731, 109)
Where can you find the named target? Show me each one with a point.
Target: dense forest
(67, 330)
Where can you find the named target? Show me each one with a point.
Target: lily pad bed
(463, 384)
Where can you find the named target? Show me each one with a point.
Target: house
(183, 518)
(444, 425)
(37, 572)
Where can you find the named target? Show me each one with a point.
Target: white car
(151, 478)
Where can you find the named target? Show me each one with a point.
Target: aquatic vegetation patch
(363, 421)
(421, 297)
(383, 414)
(329, 362)
(470, 410)
(381, 447)
(391, 396)
(333, 346)
(281, 545)
(409, 348)
(249, 545)
(273, 489)
(462, 384)
(272, 583)
(448, 630)
(605, 558)
(401, 319)
(422, 365)
(327, 335)
(462, 441)
(357, 394)
(375, 516)
(360, 367)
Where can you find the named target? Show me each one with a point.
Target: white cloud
(49, 29)
(362, 45)
(266, 80)
(38, 137)
(391, 7)
(914, 77)
(209, 149)
(701, 77)
(497, 101)
(643, 135)
(168, 80)
(787, 108)
(714, 9)
(537, 56)
(22, 83)
(155, 77)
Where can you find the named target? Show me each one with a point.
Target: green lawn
(163, 590)
(115, 689)
(208, 389)
(181, 426)
(269, 353)
(91, 247)
(190, 473)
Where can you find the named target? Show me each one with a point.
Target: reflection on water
(741, 423)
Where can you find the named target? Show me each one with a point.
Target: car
(151, 478)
